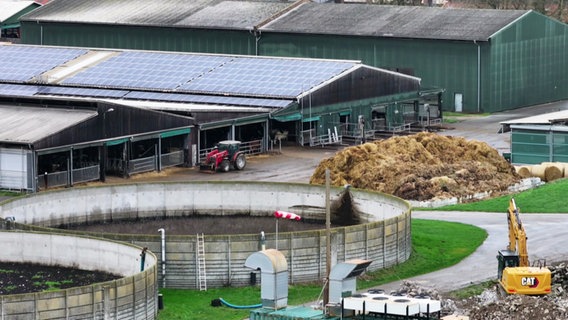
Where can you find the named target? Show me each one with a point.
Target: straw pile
(420, 167)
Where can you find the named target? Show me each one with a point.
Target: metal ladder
(201, 273)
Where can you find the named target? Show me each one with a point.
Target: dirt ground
(18, 278)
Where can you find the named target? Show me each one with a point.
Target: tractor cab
(231, 146)
(225, 155)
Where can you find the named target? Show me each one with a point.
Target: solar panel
(147, 70)
(21, 63)
(17, 90)
(268, 77)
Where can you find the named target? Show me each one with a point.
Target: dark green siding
(141, 38)
(539, 145)
(528, 63)
(450, 65)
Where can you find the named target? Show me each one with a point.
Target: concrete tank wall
(132, 297)
(385, 238)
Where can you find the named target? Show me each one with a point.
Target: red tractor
(225, 154)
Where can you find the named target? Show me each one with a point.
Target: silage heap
(420, 167)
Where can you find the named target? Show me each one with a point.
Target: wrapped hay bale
(537, 170)
(563, 166)
(552, 172)
(523, 171)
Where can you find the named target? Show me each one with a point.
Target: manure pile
(420, 167)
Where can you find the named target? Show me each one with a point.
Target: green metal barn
(486, 60)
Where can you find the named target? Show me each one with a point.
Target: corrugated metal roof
(395, 21)
(138, 12)
(196, 13)
(544, 128)
(27, 125)
(233, 14)
(547, 118)
(9, 8)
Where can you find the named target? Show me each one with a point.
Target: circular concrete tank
(384, 236)
(134, 296)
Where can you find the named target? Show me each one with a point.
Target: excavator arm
(514, 273)
(517, 235)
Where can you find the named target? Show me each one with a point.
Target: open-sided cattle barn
(48, 143)
(230, 97)
(486, 60)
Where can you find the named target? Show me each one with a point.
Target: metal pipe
(163, 232)
(262, 241)
(478, 76)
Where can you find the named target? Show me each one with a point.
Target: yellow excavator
(514, 273)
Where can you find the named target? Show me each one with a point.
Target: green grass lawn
(454, 117)
(548, 198)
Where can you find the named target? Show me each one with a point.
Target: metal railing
(86, 174)
(171, 159)
(332, 137)
(54, 179)
(142, 165)
(63, 178)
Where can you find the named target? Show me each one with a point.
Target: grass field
(548, 198)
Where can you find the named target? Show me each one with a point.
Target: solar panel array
(210, 74)
(146, 70)
(267, 77)
(22, 63)
(191, 78)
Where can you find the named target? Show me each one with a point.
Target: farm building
(486, 60)
(10, 13)
(49, 143)
(537, 139)
(158, 95)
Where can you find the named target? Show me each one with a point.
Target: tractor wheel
(225, 166)
(240, 162)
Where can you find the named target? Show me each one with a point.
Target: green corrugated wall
(538, 145)
(528, 63)
(450, 65)
(142, 38)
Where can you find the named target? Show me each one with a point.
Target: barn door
(458, 102)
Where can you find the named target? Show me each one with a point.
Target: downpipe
(163, 232)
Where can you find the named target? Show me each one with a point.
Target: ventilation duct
(274, 277)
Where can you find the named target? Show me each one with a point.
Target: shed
(537, 139)
(486, 60)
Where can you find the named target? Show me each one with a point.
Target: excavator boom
(514, 272)
(517, 234)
